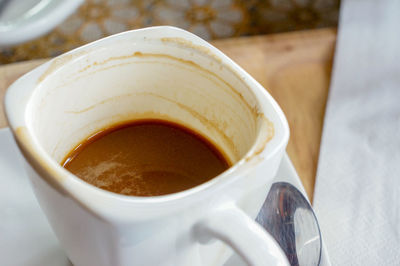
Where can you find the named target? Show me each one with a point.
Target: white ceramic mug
(159, 72)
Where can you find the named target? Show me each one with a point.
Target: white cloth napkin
(357, 195)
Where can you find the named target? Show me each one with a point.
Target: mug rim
(67, 183)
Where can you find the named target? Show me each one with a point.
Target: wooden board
(294, 67)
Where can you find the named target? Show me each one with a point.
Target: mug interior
(165, 79)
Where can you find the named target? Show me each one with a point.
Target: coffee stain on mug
(201, 71)
(99, 103)
(209, 74)
(252, 109)
(188, 44)
(45, 170)
(270, 134)
(49, 173)
(58, 62)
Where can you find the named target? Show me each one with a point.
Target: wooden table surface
(294, 67)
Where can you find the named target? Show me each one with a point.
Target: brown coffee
(146, 158)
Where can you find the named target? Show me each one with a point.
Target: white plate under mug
(25, 235)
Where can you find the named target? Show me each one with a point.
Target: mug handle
(245, 236)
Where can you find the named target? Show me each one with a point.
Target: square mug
(161, 73)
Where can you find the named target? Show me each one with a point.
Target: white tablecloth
(357, 195)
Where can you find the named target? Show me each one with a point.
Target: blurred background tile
(210, 19)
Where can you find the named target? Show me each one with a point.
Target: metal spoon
(288, 216)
